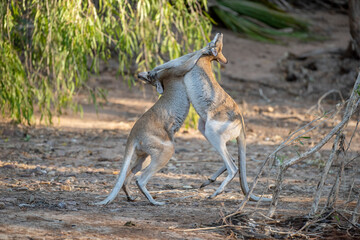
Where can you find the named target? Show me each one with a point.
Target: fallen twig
(356, 213)
(311, 222)
(263, 95)
(318, 105)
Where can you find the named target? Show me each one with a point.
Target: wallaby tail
(242, 168)
(129, 152)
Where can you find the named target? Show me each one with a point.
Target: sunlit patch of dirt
(49, 176)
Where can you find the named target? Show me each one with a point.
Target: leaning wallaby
(153, 133)
(220, 117)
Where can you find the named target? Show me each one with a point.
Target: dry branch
(351, 107)
(320, 185)
(318, 105)
(290, 139)
(333, 195)
(356, 213)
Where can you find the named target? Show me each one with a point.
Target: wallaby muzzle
(144, 76)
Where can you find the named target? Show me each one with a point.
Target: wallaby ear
(216, 38)
(219, 40)
(159, 87)
(221, 58)
(218, 47)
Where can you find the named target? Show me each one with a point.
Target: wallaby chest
(202, 89)
(173, 106)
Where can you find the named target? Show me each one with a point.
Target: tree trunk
(354, 21)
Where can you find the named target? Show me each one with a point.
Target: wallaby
(220, 117)
(153, 133)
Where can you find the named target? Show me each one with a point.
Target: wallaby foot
(128, 194)
(209, 181)
(102, 203)
(214, 176)
(147, 194)
(261, 199)
(214, 195)
(157, 203)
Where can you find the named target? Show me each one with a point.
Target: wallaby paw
(260, 199)
(102, 203)
(158, 203)
(212, 196)
(131, 198)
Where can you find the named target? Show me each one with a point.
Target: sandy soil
(49, 175)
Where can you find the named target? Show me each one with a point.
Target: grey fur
(220, 117)
(153, 133)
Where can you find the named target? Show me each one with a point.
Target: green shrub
(49, 47)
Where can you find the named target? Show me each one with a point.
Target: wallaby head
(150, 78)
(216, 46)
(213, 50)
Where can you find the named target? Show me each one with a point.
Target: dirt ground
(49, 175)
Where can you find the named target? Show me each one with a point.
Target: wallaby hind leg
(214, 176)
(140, 163)
(158, 160)
(216, 140)
(201, 127)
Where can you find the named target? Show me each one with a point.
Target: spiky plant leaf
(271, 17)
(259, 22)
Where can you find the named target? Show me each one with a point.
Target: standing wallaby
(220, 117)
(153, 133)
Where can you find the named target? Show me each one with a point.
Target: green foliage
(48, 47)
(259, 21)
(192, 119)
(280, 159)
(303, 137)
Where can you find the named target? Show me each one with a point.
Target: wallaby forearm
(180, 66)
(181, 60)
(174, 63)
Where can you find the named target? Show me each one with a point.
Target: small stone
(51, 173)
(38, 171)
(187, 187)
(25, 205)
(2, 205)
(66, 188)
(73, 203)
(9, 166)
(62, 205)
(129, 224)
(70, 180)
